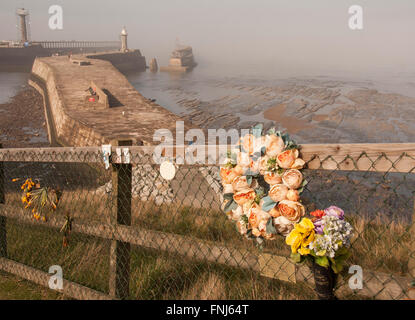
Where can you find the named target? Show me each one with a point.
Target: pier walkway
(64, 84)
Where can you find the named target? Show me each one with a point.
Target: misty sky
(265, 33)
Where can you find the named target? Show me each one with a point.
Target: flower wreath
(262, 183)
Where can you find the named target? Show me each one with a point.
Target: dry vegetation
(161, 275)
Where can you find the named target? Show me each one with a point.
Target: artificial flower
(293, 195)
(278, 192)
(227, 188)
(237, 213)
(291, 210)
(240, 183)
(250, 144)
(292, 178)
(274, 145)
(243, 159)
(283, 225)
(257, 216)
(301, 236)
(274, 212)
(318, 214)
(334, 212)
(227, 175)
(272, 178)
(241, 226)
(287, 158)
(263, 164)
(244, 196)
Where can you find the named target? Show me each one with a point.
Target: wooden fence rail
(380, 157)
(122, 234)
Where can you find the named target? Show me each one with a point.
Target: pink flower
(334, 212)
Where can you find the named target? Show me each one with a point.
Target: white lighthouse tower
(23, 13)
(124, 34)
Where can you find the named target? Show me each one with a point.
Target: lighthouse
(23, 13)
(124, 34)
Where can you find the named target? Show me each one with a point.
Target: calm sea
(10, 84)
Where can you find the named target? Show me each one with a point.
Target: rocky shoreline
(312, 111)
(22, 120)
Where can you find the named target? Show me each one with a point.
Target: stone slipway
(73, 122)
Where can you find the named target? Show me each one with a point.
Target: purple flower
(319, 226)
(334, 212)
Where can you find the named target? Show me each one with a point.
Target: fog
(269, 36)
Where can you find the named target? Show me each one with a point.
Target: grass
(158, 275)
(14, 288)
(155, 275)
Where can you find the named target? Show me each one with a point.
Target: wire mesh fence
(121, 230)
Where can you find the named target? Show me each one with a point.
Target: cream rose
(248, 143)
(227, 188)
(241, 226)
(254, 166)
(240, 183)
(292, 178)
(257, 215)
(237, 213)
(263, 164)
(291, 210)
(243, 159)
(298, 164)
(283, 225)
(246, 207)
(274, 212)
(238, 170)
(272, 178)
(287, 158)
(278, 192)
(227, 175)
(262, 226)
(274, 145)
(244, 196)
(259, 143)
(293, 195)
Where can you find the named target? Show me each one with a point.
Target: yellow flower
(28, 184)
(301, 236)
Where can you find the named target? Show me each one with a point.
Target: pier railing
(122, 231)
(79, 44)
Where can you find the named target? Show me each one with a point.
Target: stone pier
(118, 112)
(73, 121)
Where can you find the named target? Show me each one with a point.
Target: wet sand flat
(290, 123)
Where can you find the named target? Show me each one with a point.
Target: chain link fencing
(120, 230)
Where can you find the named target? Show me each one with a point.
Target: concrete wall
(63, 130)
(24, 57)
(130, 61)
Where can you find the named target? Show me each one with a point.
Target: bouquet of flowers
(262, 183)
(39, 199)
(325, 239)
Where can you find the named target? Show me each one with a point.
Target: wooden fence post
(119, 286)
(411, 262)
(3, 237)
